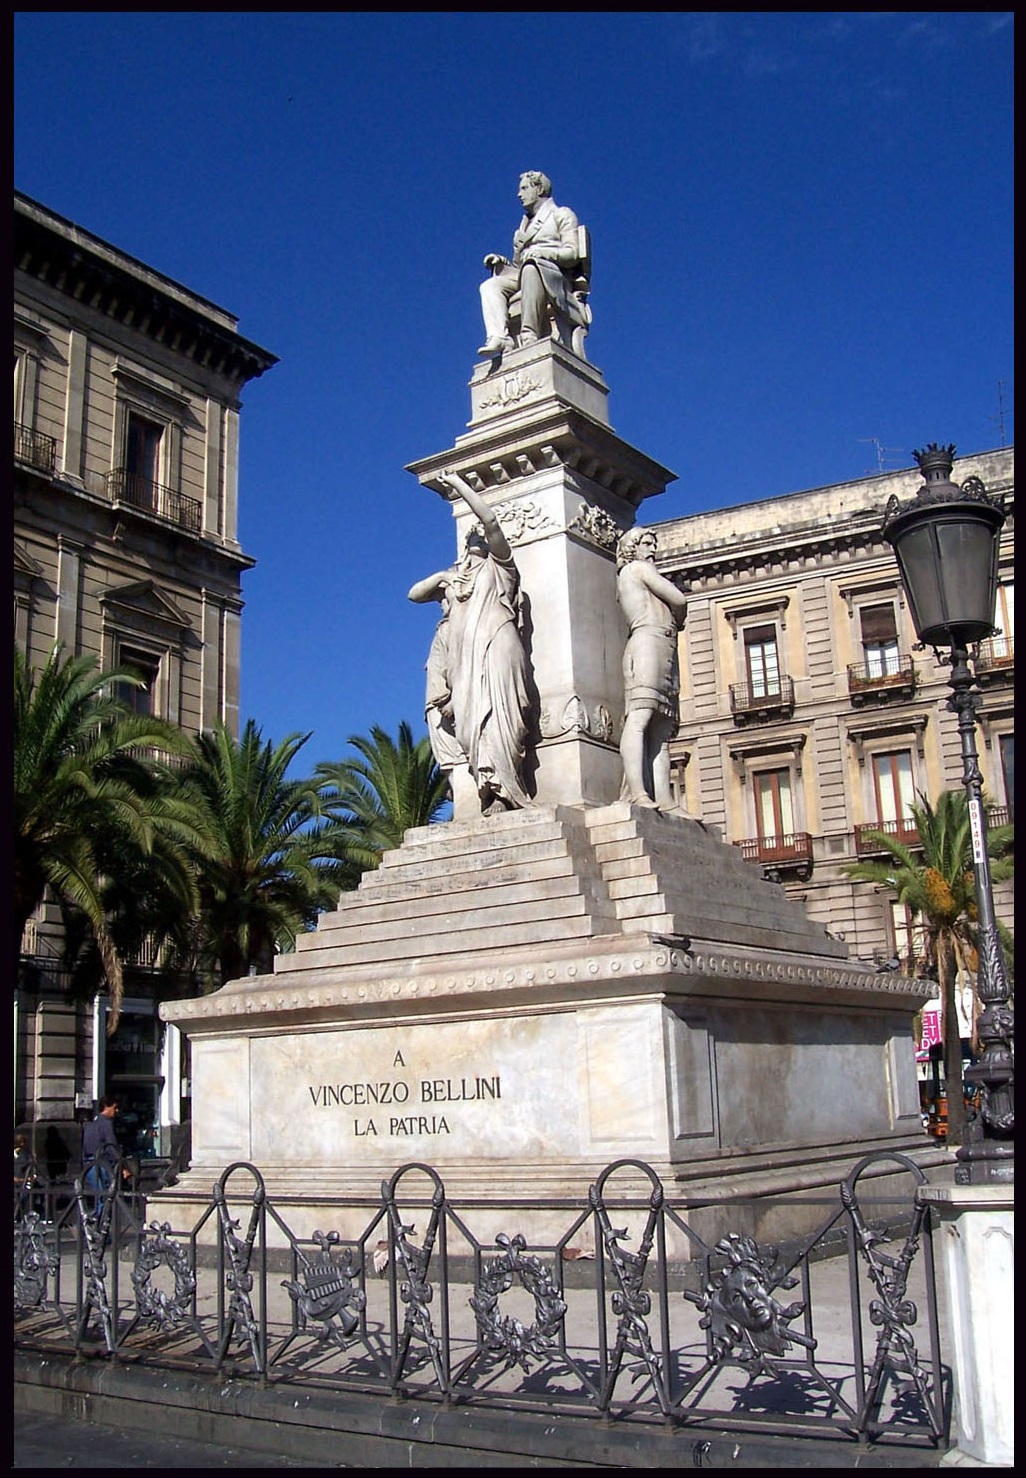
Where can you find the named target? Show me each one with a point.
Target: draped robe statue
(477, 698)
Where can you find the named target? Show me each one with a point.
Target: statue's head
(630, 545)
(539, 183)
(476, 545)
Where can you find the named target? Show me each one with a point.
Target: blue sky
(802, 235)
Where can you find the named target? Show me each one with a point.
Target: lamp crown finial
(935, 462)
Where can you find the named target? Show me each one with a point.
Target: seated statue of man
(546, 256)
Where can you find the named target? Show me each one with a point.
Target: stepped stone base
(520, 1000)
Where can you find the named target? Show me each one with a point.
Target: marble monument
(568, 972)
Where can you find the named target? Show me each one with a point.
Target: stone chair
(570, 329)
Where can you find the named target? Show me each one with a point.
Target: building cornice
(88, 271)
(808, 528)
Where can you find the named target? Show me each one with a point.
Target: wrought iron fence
(153, 497)
(867, 835)
(792, 847)
(899, 673)
(772, 696)
(421, 1297)
(995, 651)
(34, 448)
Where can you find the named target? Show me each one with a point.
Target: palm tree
(94, 823)
(271, 859)
(936, 882)
(392, 785)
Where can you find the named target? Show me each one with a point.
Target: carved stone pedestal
(977, 1243)
(540, 449)
(520, 1000)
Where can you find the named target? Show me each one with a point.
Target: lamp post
(946, 544)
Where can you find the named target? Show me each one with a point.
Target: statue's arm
(432, 587)
(494, 537)
(664, 590)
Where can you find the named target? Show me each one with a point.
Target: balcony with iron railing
(867, 836)
(149, 954)
(751, 702)
(995, 661)
(790, 854)
(35, 449)
(134, 491)
(873, 682)
(149, 754)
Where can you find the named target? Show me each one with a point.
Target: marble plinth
(520, 1000)
(977, 1243)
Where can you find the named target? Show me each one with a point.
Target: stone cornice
(490, 457)
(722, 547)
(761, 552)
(550, 981)
(90, 272)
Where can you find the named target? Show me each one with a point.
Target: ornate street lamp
(946, 544)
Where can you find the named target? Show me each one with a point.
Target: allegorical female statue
(477, 698)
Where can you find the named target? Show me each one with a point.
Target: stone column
(977, 1236)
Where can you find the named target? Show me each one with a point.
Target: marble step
(454, 839)
(493, 940)
(360, 913)
(443, 921)
(651, 863)
(403, 866)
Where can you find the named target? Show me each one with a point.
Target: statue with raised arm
(547, 271)
(654, 610)
(477, 698)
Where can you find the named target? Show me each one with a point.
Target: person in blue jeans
(101, 1153)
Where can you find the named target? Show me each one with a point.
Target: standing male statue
(477, 698)
(654, 610)
(545, 270)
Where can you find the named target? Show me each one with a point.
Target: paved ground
(49, 1442)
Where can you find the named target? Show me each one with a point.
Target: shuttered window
(880, 640)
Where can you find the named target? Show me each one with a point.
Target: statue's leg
(466, 802)
(660, 731)
(632, 754)
(534, 305)
(495, 295)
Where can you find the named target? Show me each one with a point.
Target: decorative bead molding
(643, 961)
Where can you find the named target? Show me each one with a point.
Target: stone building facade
(126, 423)
(808, 716)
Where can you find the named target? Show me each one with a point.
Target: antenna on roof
(1000, 417)
(882, 452)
